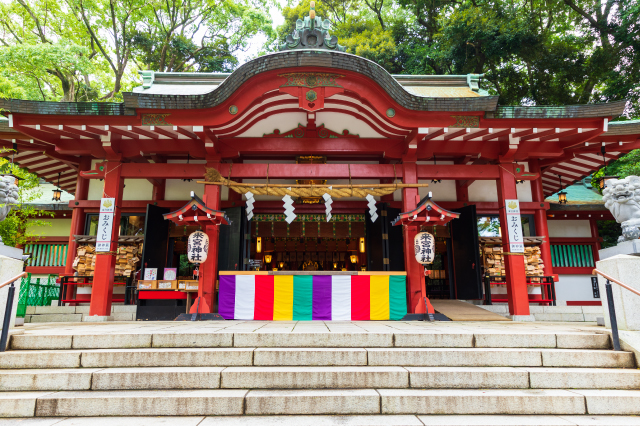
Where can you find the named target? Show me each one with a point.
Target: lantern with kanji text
(198, 247)
(424, 247)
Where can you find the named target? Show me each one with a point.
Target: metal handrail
(24, 274)
(7, 312)
(596, 272)
(612, 308)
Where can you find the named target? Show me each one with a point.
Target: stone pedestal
(631, 247)
(9, 268)
(626, 269)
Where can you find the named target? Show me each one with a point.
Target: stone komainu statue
(622, 198)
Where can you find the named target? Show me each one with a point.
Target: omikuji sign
(105, 224)
(514, 224)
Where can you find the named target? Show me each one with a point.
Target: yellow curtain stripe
(379, 295)
(283, 298)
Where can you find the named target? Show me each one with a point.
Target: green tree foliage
(83, 50)
(66, 62)
(14, 230)
(198, 35)
(627, 165)
(609, 231)
(532, 52)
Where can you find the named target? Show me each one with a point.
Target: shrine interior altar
(317, 295)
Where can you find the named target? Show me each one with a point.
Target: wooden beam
(144, 132)
(54, 130)
(435, 134)
(96, 130)
(125, 133)
(453, 135)
(505, 132)
(165, 132)
(185, 132)
(473, 135)
(537, 135)
(80, 132)
(303, 171)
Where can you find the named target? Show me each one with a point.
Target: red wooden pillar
(415, 271)
(209, 269)
(78, 218)
(159, 190)
(462, 192)
(102, 289)
(540, 218)
(514, 264)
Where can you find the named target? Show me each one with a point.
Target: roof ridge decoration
(312, 33)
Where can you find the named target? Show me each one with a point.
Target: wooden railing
(573, 255)
(48, 256)
(53, 254)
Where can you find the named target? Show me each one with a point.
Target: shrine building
(218, 152)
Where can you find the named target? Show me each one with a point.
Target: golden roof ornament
(312, 33)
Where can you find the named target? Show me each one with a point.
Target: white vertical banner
(514, 226)
(105, 224)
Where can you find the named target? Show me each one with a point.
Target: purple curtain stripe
(322, 297)
(227, 295)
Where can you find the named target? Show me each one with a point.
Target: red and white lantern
(425, 247)
(198, 247)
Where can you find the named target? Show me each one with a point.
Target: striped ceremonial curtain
(317, 297)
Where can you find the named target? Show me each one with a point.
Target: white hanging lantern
(198, 247)
(424, 246)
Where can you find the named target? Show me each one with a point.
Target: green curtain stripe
(397, 297)
(302, 297)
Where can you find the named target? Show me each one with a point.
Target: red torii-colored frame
(411, 221)
(196, 212)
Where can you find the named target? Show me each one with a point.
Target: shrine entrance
(309, 243)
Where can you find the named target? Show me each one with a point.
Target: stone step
(489, 420)
(309, 356)
(391, 357)
(404, 420)
(499, 357)
(108, 358)
(487, 401)
(314, 377)
(53, 318)
(302, 339)
(320, 420)
(141, 403)
(355, 377)
(157, 378)
(39, 359)
(319, 402)
(44, 379)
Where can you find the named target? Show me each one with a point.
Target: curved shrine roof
(372, 111)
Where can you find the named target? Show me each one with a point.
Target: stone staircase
(356, 378)
(45, 314)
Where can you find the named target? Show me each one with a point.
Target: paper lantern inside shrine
(198, 247)
(424, 246)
